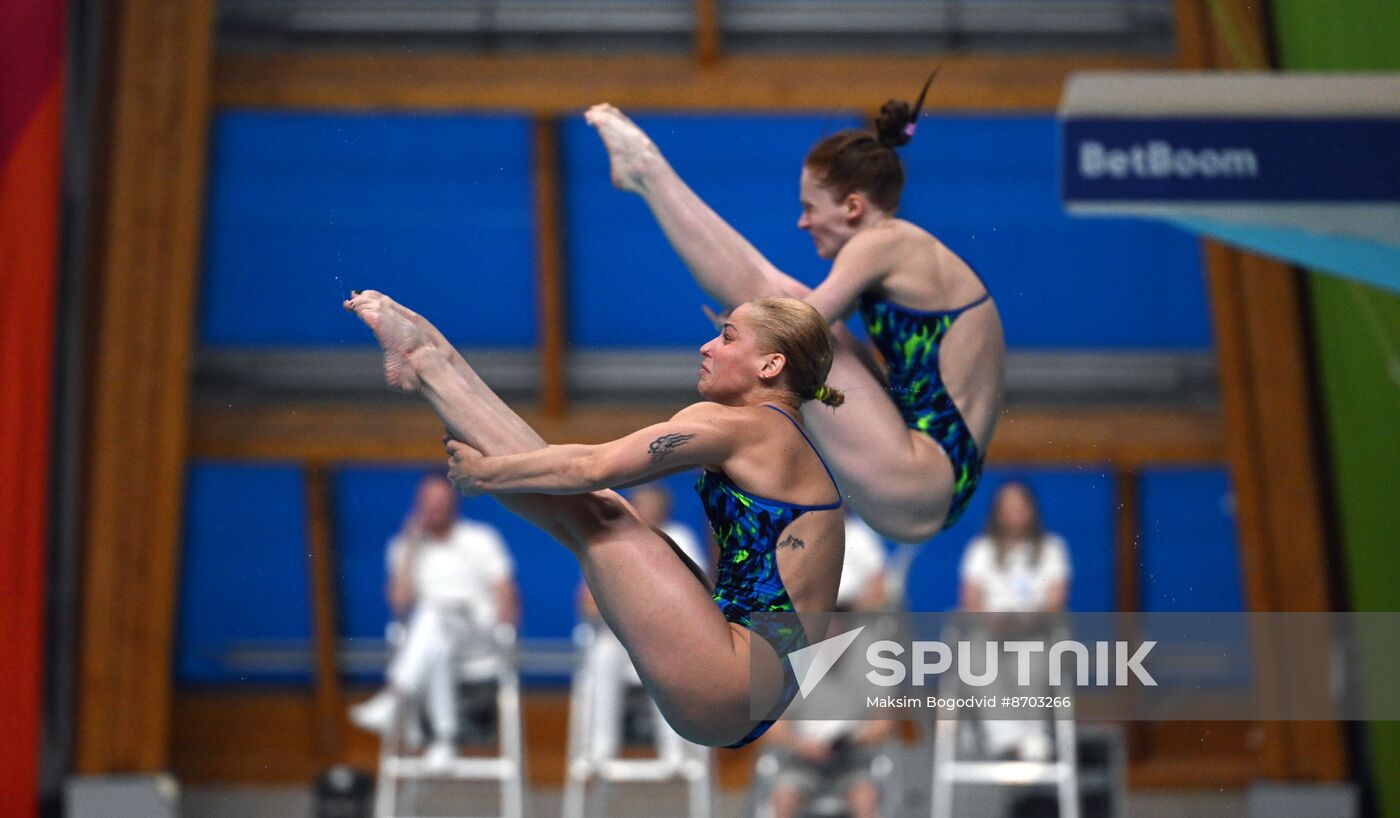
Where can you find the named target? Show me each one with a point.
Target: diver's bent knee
(712, 734)
(906, 528)
(714, 721)
(604, 514)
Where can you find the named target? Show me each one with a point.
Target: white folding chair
(399, 771)
(691, 767)
(950, 770)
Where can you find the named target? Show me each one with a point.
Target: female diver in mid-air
(692, 645)
(909, 466)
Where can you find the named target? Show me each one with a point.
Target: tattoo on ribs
(791, 542)
(666, 444)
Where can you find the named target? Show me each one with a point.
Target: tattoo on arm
(666, 444)
(791, 542)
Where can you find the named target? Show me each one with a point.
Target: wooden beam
(1127, 528)
(408, 431)
(148, 260)
(550, 277)
(1194, 770)
(1286, 458)
(263, 736)
(1238, 408)
(1123, 437)
(394, 432)
(1289, 465)
(707, 32)
(1193, 35)
(330, 704)
(1226, 34)
(1265, 393)
(1127, 525)
(1239, 29)
(566, 84)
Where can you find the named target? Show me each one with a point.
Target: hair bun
(895, 124)
(828, 396)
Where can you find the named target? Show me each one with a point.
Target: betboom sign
(1216, 160)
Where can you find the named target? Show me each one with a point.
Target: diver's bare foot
(396, 331)
(631, 152)
(435, 336)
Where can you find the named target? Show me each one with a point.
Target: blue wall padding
(988, 186)
(370, 506)
(1076, 504)
(245, 563)
(1189, 559)
(434, 210)
(627, 287)
(245, 576)
(243, 570)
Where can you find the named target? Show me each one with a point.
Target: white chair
(691, 766)
(950, 770)
(494, 659)
(882, 772)
(885, 763)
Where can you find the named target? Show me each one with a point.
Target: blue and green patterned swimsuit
(909, 340)
(746, 528)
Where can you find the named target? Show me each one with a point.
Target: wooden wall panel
(324, 592)
(1238, 405)
(1270, 441)
(708, 35)
(268, 737)
(147, 272)
(1288, 464)
(567, 84)
(401, 431)
(550, 277)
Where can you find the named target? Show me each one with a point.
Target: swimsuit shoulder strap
(951, 315)
(820, 459)
(960, 310)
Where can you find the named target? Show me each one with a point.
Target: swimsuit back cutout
(909, 340)
(747, 527)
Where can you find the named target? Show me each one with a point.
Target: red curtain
(31, 116)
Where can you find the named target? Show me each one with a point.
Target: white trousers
(425, 666)
(611, 673)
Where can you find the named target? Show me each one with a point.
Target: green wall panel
(1357, 336)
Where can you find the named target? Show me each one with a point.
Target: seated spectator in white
(862, 585)
(1015, 566)
(454, 581)
(607, 662)
(834, 757)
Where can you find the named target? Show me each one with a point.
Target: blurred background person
(833, 759)
(451, 581)
(863, 569)
(609, 666)
(1015, 566)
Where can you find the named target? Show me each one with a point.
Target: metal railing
(1062, 378)
(752, 25)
